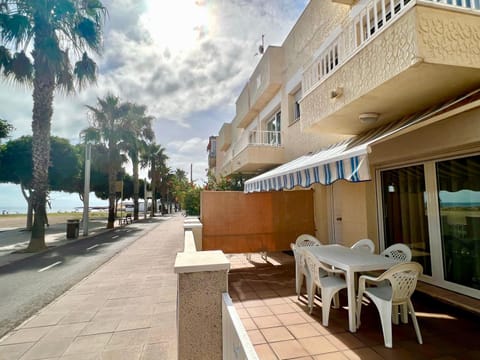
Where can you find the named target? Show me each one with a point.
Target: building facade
(375, 105)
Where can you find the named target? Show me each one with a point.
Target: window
(459, 203)
(405, 212)
(434, 208)
(296, 105)
(273, 130)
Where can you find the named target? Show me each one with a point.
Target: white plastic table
(350, 261)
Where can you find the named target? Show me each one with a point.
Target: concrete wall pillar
(202, 278)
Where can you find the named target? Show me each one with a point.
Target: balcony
(265, 82)
(257, 151)
(394, 57)
(225, 137)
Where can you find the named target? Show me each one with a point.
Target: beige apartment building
(375, 105)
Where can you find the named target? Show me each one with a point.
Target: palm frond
(85, 71)
(64, 74)
(15, 29)
(20, 68)
(89, 31)
(5, 57)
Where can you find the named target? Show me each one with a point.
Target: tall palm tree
(50, 28)
(155, 157)
(138, 133)
(107, 123)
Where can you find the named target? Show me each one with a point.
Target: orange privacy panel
(236, 222)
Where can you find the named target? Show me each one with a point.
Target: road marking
(93, 247)
(114, 236)
(50, 266)
(128, 230)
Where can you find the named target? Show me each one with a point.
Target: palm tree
(108, 120)
(50, 28)
(155, 157)
(138, 133)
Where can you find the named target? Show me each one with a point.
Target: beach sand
(19, 221)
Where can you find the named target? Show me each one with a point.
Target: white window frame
(434, 226)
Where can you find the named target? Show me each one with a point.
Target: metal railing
(368, 22)
(236, 343)
(257, 138)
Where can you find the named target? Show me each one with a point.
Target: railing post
(202, 278)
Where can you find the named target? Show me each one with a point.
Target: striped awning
(324, 167)
(347, 160)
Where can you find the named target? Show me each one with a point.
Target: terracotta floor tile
(303, 330)
(317, 345)
(248, 324)
(282, 309)
(266, 321)
(332, 356)
(362, 354)
(291, 319)
(345, 341)
(256, 337)
(280, 333)
(242, 313)
(289, 349)
(259, 311)
(253, 303)
(264, 352)
(274, 301)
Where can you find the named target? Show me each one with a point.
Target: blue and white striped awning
(347, 160)
(324, 167)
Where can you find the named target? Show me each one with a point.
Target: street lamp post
(86, 190)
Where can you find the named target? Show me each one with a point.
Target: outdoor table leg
(350, 277)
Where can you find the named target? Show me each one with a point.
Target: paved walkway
(126, 309)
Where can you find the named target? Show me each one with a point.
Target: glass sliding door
(405, 212)
(458, 183)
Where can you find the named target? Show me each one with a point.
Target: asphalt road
(28, 285)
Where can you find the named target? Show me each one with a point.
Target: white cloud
(189, 87)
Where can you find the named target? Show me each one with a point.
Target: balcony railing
(257, 138)
(371, 20)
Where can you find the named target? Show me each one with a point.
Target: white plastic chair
(364, 245)
(329, 285)
(300, 271)
(307, 240)
(398, 252)
(402, 281)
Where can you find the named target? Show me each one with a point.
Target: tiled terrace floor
(280, 327)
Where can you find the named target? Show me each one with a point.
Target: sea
(13, 202)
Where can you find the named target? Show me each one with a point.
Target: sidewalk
(16, 239)
(126, 309)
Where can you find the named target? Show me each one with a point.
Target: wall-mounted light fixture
(337, 92)
(368, 118)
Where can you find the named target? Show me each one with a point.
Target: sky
(186, 60)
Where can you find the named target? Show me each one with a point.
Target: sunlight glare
(177, 25)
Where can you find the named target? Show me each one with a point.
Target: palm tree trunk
(43, 87)
(136, 187)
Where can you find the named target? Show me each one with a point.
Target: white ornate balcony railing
(257, 138)
(369, 21)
